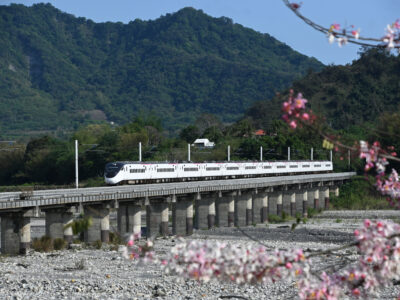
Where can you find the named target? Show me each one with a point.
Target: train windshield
(112, 169)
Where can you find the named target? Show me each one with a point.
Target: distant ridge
(58, 72)
(346, 96)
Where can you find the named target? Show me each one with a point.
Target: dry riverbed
(104, 274)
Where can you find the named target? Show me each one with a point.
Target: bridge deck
(11, 201)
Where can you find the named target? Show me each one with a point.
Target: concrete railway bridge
(195, 204)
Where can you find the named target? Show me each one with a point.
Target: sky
(265, 16)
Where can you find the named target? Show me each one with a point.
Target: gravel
(104, 274)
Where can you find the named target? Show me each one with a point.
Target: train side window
(190, 169)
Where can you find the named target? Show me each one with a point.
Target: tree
(190, 134)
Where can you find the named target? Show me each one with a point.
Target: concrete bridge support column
(292, 203)
(241, 208)
(221, 210)
(135, 214)
(189, 218)
(105, 225)
(316, 198)
(129, 218)
(325, 192)
(56, 221)
(68, 218)
(231, 208)
(211, 212)
(304, 196)
(265, 210)
(122, 219)
(201, 212)
(100, 228)
(164, 220)
(25, 235)
(257, 206)
(179, 216)
(15, 233)
(249, 209)
(336, 191)
(156, 218)
(279, 199)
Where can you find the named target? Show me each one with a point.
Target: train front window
(112, 169)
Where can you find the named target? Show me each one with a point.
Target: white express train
(146, 172)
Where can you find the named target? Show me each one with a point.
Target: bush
(59, 244)
(311, 212)
(275, 219)
(44, 244)
(97, 244)
(80, 224)
(115, 238)
(359, 194)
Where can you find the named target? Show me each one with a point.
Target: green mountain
(58, 72)
(346, 96)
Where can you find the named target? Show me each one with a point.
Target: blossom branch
(390, 40)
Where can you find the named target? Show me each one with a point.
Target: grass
(115, 238)
(47, 244)
(274, 219)
(44, 244)
(359, 194)
(97, 244)
(59, 244)
(311, 212)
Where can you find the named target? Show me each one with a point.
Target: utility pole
(188, 152)
(261, 153)
(288, 153)
(140, 151)
(76, 165)
(229, 153)
(312, 153)
(348, 157)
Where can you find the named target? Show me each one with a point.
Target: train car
(147, 172)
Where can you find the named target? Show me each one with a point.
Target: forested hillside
(58, 71)
(346, 96)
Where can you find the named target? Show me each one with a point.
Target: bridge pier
(231, 208)
(201, 206)
(181, 223)
(211, 211)
(15, 233)
(129, 218)
(240, 209)
(279, 201)
(249, 208)
(292, 195)
(265, 209)
(156, 218)
(56, 220)
(221, 210)
(303, 197)
(336, 191)
(325, 192)
(100, 228)
(225, 209)
(257, 206)
(316, 198)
